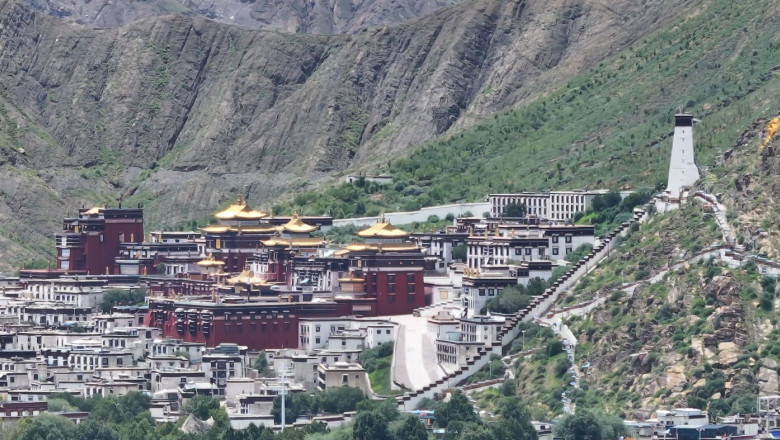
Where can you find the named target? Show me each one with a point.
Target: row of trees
(517, 297)
(335, 400)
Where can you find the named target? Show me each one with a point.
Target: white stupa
(683, 172)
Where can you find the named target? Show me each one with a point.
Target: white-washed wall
(402, 218)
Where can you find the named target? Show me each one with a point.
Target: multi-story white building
(559, 206)
(79, 291)
(170, 347)
(314, 333)
(501, 244)
(481, 285)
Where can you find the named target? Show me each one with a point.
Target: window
(344, 379)
(387, 332)
(317, 329)
(119, 362)
(555, 251)
(568, 239)
(379, 332)
(555, 239)
(410, 283)
(101, 238)
(528, 251)
(481, 292)
(518, 251)
(391, 283)
(568, 250)
(317, 340)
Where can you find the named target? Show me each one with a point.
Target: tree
(411, 429)
(514, 210)
(459, 252)
(515, 422)
(612, 427)
(580, 426)
(458, 408)
(510, 300)
(340, 399)
(201, 406)
(113, 297)
(261, 362)
(536, 286)
(45, 427)
(386, 407)
(134, 403)
(370, 425)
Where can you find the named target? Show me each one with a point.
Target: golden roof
(215, 229)
(210, 261)
(378, 247)
(240, 210)
(93, 211)
(218, 229)
(297, 225)
(248, 277)
(384, 229)
(351, 280)
(257, 229)
(294, 241)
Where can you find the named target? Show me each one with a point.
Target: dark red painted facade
(258, 326)
(90, 242)
(393, 285)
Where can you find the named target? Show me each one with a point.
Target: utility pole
(284, 396)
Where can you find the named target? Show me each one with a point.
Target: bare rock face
(315, 17)
(767, 381)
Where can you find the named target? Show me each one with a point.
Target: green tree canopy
(458, 408)
(201, 406)
(515, 421)
(580, 426)
(45, 427)
(370, 425)
(514, 210)
(411, 429)
(113, 297)
(261, 362)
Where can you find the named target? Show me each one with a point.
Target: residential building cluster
(251, 281)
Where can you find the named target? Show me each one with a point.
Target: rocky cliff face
(315, 17)
(749, 178)
(180, 112)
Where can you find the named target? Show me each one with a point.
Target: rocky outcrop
(321, 17)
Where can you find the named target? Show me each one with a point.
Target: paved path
(415, 352)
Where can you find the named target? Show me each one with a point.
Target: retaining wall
(406, 217)
(511, 329)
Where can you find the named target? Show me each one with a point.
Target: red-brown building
(259, 326)
(382, 276)
(91, 241)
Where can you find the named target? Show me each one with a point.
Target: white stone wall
(406, 217)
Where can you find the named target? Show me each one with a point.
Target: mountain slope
(180, 113)
(607, 127)
(321, 17)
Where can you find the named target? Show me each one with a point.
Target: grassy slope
(380, 378)
(608, 127)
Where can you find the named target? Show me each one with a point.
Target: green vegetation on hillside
(377, 362)
(607, 128)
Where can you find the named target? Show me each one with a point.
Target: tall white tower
(682, 169)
